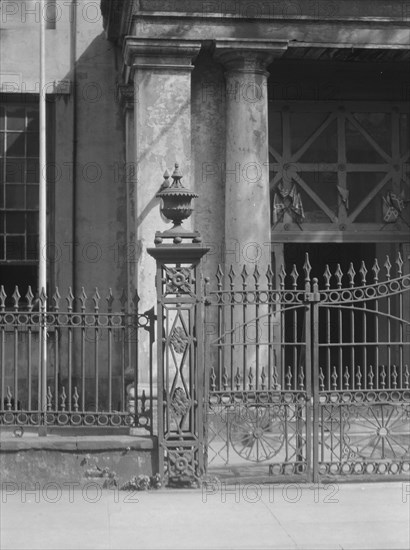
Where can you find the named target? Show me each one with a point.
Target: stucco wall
(87, 132)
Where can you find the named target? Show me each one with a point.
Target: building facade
(290, 120)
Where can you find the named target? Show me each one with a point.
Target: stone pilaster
(161, 74)
(161, 71)
(247, 200)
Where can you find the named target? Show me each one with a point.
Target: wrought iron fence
(91, 355)
(320, 386)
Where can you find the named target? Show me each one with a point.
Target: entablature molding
(160, 54)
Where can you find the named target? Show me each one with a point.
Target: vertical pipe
(311, 363)
(3, 367)
(16, 363)
(70, 362)
(57, 365)
(83, 345)
(96, 363)
(110, 371)
(42, 283)
(29, 375)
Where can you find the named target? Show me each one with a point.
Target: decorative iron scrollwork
(178, 339)
(180, 403)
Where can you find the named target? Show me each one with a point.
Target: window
(19, 190)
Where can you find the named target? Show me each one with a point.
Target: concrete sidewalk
(356, 516)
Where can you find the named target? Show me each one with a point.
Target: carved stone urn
(176, 200)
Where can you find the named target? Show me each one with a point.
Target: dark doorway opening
(331, 254)
(346, 334)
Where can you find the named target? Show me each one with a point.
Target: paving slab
(344, 516)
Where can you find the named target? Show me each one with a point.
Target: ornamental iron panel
(180, 375)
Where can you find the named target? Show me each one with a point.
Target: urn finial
(176, 199)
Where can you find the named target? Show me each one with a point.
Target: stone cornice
(248, 56)
(177, 54)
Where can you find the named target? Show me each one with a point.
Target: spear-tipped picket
(213, 379)
(339, 276)
(376, 271)
(327, 276)
(406, 377)
(370, 377)
(321, 380)
(110, 300)
(76, 398)
(346, 376)
(301, 380)
(275, 378)
(96, 300)
(289, 378)
(123, 300)
(270, 277)
(224, 379)
(256, 276)
(282, 276)
(295, 276)
(219, 277)
(135, 301)
(250, 378)
(56, 299)
(399, 262)
(43, 299)
(352, 273)
(30, 299)
(394, 377)
(3, 297)
(244, 276)
(63, 399)
(9, 397)
(263, 379)
(387, 266)
(70, 299)
(383, 377)
(49, 398)
(16, 298)
(363, 272)
(238, 379)
(359, 378)
(83, 300)
(334, 378)
(307, 269)
(231, 277)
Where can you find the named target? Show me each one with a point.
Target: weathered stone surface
(35, 461)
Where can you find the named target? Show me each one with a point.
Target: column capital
(125, 96)
(160, 54)
(248, 56)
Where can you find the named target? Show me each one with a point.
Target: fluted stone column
(247, 201)
(161, 73)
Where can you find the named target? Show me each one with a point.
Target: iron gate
(307, 383)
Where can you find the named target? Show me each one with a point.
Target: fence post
(179, 340)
